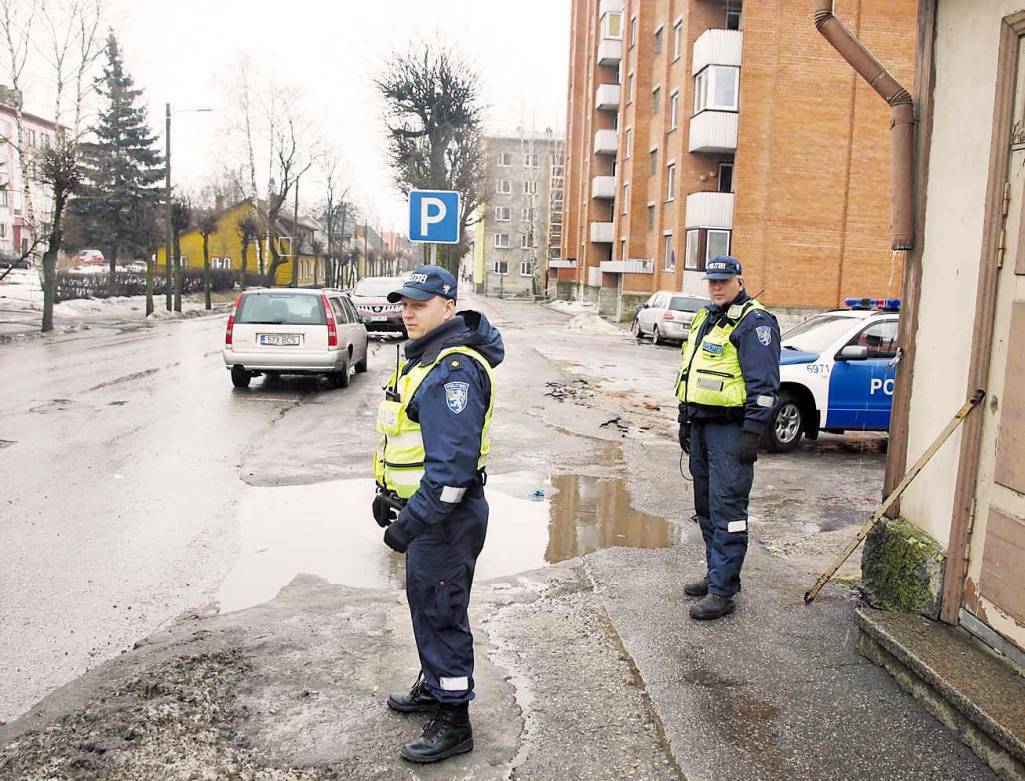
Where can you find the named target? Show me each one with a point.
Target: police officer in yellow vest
(429, 467)
(727, 385)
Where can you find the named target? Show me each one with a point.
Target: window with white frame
(505, 159)
(631, 88)
(668, 256)
(612, 25)
(629, 145)
(503, 186)
(633, 30)
(3, 230)
(44, 140)
(734, 19)
(3, 196)
(529, 187)
(717, 242)
(677, 40)
(716, 88)
(622, 249)
(692, 255)
(531, 160)
(656, 99)
(525, 270)
(503, 213)
(500, 267)
(653, 155)
(501, 241)
(674, 110)
(651, 216)
(626, 197)
(528, 214)
(527, 241)
(670, 180)
(658, 40)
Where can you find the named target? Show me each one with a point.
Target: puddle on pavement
(326, 530)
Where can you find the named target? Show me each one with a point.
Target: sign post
(434, 218)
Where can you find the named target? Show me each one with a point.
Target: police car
(836, 373)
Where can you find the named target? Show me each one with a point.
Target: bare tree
(69, 45)
(181, 221)
(332, 215)
(206, 223)
(248, 230)
(434, 119)
(293, 160)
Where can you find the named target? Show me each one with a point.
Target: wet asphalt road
(121, 455)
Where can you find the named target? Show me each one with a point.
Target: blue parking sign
(434, 216)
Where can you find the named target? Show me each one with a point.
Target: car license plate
(280, 340)
(378, 318)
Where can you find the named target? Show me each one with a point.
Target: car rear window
(280, 309)
(687, 304)
(377, 287)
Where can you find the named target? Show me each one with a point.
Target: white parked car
(294, 331)
(666, 316)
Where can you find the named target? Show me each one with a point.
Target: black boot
(417, 700)
(447, 733)
(696, 588)
(711, 607)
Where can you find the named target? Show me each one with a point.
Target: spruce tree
(123, 166)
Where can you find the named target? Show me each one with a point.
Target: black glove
(397, 537)
(384, 513)
(748, 452)
(685, 437)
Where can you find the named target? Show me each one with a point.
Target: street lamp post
(175, 274)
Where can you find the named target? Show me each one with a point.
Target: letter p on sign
(434, 216)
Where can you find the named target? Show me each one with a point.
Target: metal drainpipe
(901, 126)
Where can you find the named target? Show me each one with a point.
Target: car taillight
(231, 322)
(332, 327)
(669, 316)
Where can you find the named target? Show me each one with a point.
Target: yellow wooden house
(225, 246)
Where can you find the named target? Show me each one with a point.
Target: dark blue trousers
(722, 486)
(439, 575)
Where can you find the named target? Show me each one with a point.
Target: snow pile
(22, 288)
(589, 323)
(91, 306)
(573, 307)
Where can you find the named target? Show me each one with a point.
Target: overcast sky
(186, 52)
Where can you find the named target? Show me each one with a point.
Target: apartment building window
(505, 159)
(691, 259)
(670, 180)
(503, 186)
(658, 40)
(501, 241)
(528, 214)
(500, 267)
(622, 249)
(677, 40)
(626, 197)
(656, 98)
(668, 256)
(3, 197)
(3, 230)
(631, 87)
(715, 88)
(633, 30)
(612, 25)
(674, 110)
(654, 161)
(525, 268)
(531, 160)
(44, 140)
(502, 213)
(717, 243)
(734, 19)
(553, 252)
(651, 216)
(527, 241)
(31, 137)
(629, 143)
(529, 187)
(725, 177)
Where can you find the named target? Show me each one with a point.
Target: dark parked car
(370, 297)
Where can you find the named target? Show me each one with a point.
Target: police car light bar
(884, 304)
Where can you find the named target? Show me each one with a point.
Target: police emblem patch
(764, 334)
(456, 395)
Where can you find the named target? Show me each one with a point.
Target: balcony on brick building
(628, 266)
(602, 232)
(606, 142)
(716, 70)
(606, 97)
(709, 210)
(603, 187)
(610, 51)
(561, 263)
(714, 132)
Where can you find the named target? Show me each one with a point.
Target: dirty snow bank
(588, 323)
(573, 307)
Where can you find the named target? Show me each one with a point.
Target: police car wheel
(240, 377)
(786, 425)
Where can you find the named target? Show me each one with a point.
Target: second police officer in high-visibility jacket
(727, 386)
(429, 467)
